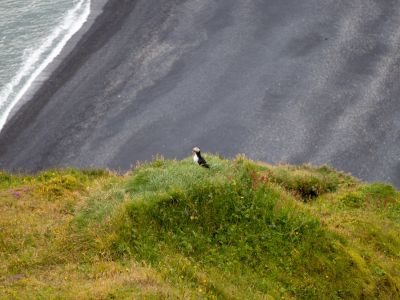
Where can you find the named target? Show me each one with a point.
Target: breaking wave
(36, 60)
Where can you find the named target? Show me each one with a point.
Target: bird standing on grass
(197, 158)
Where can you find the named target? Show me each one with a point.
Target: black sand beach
(280, 80)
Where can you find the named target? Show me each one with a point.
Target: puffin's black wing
(202, 162)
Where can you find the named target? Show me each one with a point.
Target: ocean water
(32, 34)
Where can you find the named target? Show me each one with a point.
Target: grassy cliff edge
(171, 229)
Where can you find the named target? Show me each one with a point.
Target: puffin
(197, 158)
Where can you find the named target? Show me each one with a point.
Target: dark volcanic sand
(280, 80)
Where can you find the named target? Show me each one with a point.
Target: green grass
(170, 229)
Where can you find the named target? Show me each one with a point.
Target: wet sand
(281, 81)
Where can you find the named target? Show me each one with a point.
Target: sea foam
(36, 60)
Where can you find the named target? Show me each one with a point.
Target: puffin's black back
(202, 162)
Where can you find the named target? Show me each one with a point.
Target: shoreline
(95, 34)
(96, 9)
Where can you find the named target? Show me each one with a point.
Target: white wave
(40, 58)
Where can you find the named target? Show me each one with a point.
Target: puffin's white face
(196, 150)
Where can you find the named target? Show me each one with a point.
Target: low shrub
(305, 181)
(376, 195)
(355, 199)
(229, 219)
